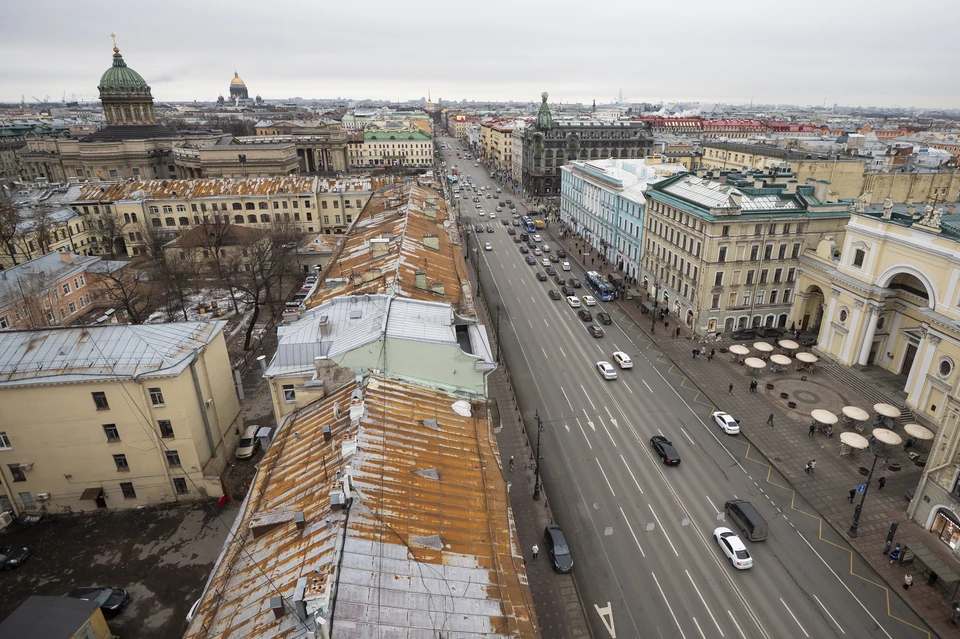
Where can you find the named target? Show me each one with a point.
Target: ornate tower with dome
(238, 90)
(125, 95)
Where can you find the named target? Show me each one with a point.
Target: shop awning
(91, 494)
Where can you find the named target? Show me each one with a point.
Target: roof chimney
(276, 605)
(432, 242)
(758, 183)
(736, 197)
(421, 279)
(66, 257)
(791, 187)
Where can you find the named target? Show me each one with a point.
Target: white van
(248, 443)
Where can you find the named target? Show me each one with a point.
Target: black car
(567, 291)
(531, 244)
(478, 228)
(604, 318)
(531, 260)
(585, 315)
(769, 331)
(744, 333)
(557, 548)
(13, 556)
(489, 229)
(541, 276)
(664, 448)
(513, 232)
(574, 282)
(561, 253)
(809, 342)
(595, 330)
(551, 271)
(505, 222)
(554, 294)
(558, 280)
(524, 249)
(554, 258)
(111, 600)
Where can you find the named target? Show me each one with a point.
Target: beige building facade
(114, 416)
(496, 142)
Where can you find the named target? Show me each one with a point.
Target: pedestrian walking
(694, 353)
(730, 390)
(677, 333)
(883, 482)
(710, 355)
(853, 493)
(907, 581)
(813, 428)
(770, 419)
(713, 352)
(536, 551)
(666, 324)
(703, 350)
(895, 554)
(813, 465)
(511, 463)
(806, 468)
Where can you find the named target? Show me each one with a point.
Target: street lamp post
(859, 510)
(536, 472)
(498, 332)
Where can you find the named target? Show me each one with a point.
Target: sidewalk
(788, 445)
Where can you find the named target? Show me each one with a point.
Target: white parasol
(788, 344)
(918, 431)
(856, 413)
(887, 436)
(738, 349)
(754, 362)
(853, 440)
(782, 360)
(808, 358)
(823, 416)
(763, 347)
(887, 410)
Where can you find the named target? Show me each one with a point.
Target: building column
(894, 328)
(825, 326)
(919, 373)
(847, 356)
(869, 334)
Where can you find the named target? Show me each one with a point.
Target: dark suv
(769, 331)
(557, 548)
(744, 334)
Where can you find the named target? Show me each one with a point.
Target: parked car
(608, 371)
(726, 422)
(595, 330)
(744, 334)
(557, 548)
(769, 331)
(111, 600)
(604, 318)
(13, 556)
(664, 448)
(248, 444)
(809, 342)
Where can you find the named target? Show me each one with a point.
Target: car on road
(487, 195)
(488, 246)
(573, 302)
(574, 282)
(513, 232)
(607, 370)
(531, 244)
(506, 223)
(734, 548)
(554, 294)
(489, 229)
(622, 359)
(551, 271)
(541, 276)
(478, 228)
(585, 315)
(544, 261)
(524, 249)
(743, 334)
(726, 422)
(664, 448)
(546, 248)
(769, 331)
(568, 292)
(531, 260)
(554, 258)
(604, 318)
(537, 238)
(499, 209)
(513, 210)
(595, 330)
(516, 222)
(589, 301)
(561, 253)
(111, 600)
(565, 266)
(475, 164)
(516, 240)
(478, 205)
(13, 556)
(557, 548)
(558, 280)
(537, 251)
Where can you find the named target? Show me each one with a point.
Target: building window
(725, 231)
(760, 295)
(723, 254)
(782, 253)
(180, 485)
(27, 500)
(66, 288)
(858, 256)
(16, 472)
(100, 401)
(796, 251)
(127, 489)
(121, 462)
(289, 394)
(718, 278)
(5, 442)
(754, 250)
(763, 276)
(773, 297)
(749, 277)
(715, 303)
(173, 458)
(746, 298)
(156, 397)
(110, 430)
(945, 367)
(166, 428)
(768, 251)
(786, 296)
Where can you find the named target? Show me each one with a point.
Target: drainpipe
(202, 404)
(159, 440)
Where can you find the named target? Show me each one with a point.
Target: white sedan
(589, 301)
(728, 424)
(537, 238)
(573, 302)
(488, 246)
(565, 266)
(622, 359)
(608, 371)
(733, 548)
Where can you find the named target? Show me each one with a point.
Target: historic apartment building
(725, 253)
(496, 143)
(114, 416)
(389, 149)
(549, 144)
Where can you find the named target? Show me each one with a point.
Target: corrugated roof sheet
(427, 547)
(201, 188)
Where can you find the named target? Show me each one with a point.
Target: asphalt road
(642, 532)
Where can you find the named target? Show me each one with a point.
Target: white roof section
(94, 353)
(717, 195)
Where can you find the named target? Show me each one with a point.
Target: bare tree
(174, 275)
(128, 287)
(9, 220)
(38, 230)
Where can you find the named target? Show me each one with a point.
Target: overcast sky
(851, 52)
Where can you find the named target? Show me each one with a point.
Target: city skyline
(825, 54)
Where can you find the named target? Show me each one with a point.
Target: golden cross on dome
(115, 49)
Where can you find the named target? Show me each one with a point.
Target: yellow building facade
(497, 145)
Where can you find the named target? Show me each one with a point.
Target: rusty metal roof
(194, 189)
(428, 543)
(403, 229)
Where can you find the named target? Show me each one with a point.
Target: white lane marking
(842, 583)
(530, 323)
(605, 478)
(566, 398)
(627, 386)
(669, 607)
(561, 352)
(828, 614)
(710, 503)
(609, 414)
(607, 431)
(734, 620)
(606, 617)
(584, 432)
(616, 348)
(659, 525)
(704, 601)
(636, 541)
(544, 353)
(685, 434)
(647, 385)
(794, 616)
(588, 397)
(627, 466)
(545, 322)
(699, 629)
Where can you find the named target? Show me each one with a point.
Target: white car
(623, 359)
(733, 548)
(728, 424)
(545, 262)
(573, 302)
(608, 371)
(488, 246)
(589, 301)
(537, 238)
(565, 266)
(546, 248)
(483, 213)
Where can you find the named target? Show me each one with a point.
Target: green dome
(122, 79)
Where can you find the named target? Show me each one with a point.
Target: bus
(528, 223)
(600, 286)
